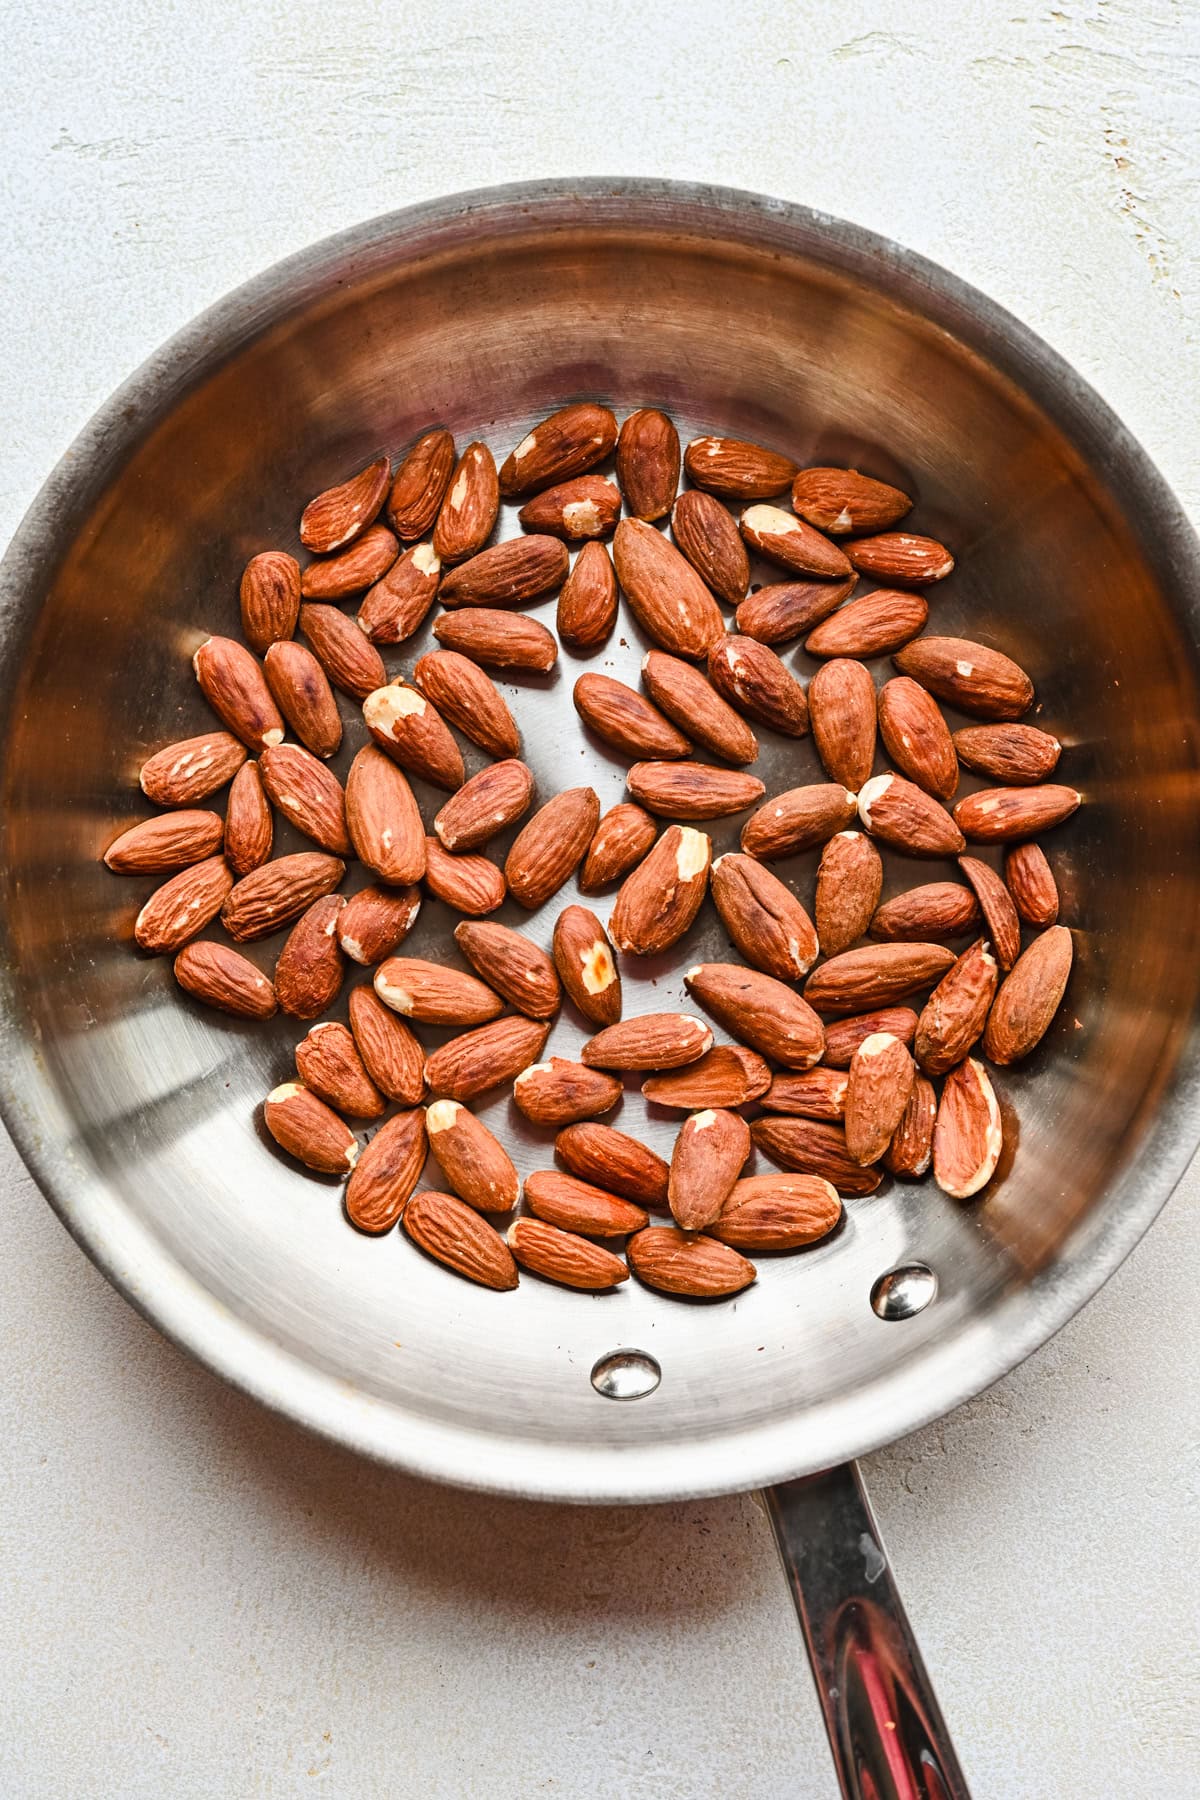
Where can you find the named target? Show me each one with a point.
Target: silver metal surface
(138, 1112)
(903, 1293)
(626, 1375)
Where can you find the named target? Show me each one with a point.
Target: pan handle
(886, 1730)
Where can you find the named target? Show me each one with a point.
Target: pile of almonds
(844, 1016)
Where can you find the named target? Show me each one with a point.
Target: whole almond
(515, 967)
(587, 600)
(625, 719)
(763, 1012)
(1017, 755)
(680, 1262)
(433, 993)
(442, 1226)
(549, 848)
(656, 903)
(478, 1060)
(879, 1083)
(472, 1158)
(967, 1135)
(269, 598)
(812, 1147)
(278, 892)
(1000, 915)
(575, 1205)
(709, 1155)
(341, 514)
(917, 737)
(309, 1130)
(190, 770)
(784, 539)
(726, 1075)
(937, 909)
(614, 1160)
(1029, 997)
(694, 705)
(386, 1173)
(221, 977)
(996, 815)
(586, 507)
(1030, 881)
(564, 1257)
(778, 1212)
(183, 906)
(308, 974)
(384, 823)
(665, 1040)
(752, 678)
(584, 960)
(308, 794)
(849, 883)
(236, 689)
(620, 841)
(708, 537)
(875, 975)
(470, 699)
(168, 841)
(569, 442)
(352, 570)
(375, 921)
(329, 1065)
(737, 470)
(500, 640)
(818, 1093)
(911, 1150)
(668, 599)
(843, 1036)
(484, 806)
(407, 726)
(874, 626)
(799, 819)
(783, 610)
(559, 1092)
(468, 512)
(841, 712)
(352, 663)
(419, 485)
(471, 884)
(763, 917)
(971, 676)
(304, 696)
(396, 605)
(391, 1054)
(901, 814)
(901, 556)
(841, 500)
(953, 1017)
(691, 790)
(507, 574)
(648, 463)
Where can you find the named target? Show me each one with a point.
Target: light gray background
(197, 1600)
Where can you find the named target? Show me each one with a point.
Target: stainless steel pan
(138, 1113)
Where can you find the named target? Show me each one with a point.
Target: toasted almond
(783, 610)
(620, 841)
(648, 463)
(587, 600)
(665, 1040)
(269, 598)
(901, 814)
(625, 719)
(967, 1135)
(383, 820)
(953, 1017)
(799, 819)
(562, 1256)
(190, 770)
(570, 441)
(818, 1093)
(434, 993)
(1029, 997)
(691, 790)
(709, 1155)
(784, 539)
(971, 676)
(469, 699)
(763, 917)
(515, 967)
(386, 1173)
(304, 696)
(708, 537)
(997, 815)
(500, 640)
(841, 712)
(849, 883)
(221, 977)
(726, 1075)
(669, 600)
(843, 1036)
(841, 500)
(468, 512)
(309, 1130)
(584, 960)
(917, 737)
(471, 884)
(687, 1263)
(182, 906)
(341, 514)
(901, 556)
(391, 1054)
(308, 794)
(911, 1150)
(484, 806)
(352, 570)
(472, 1158)
(659, 900)
(308, 974)
(875, 625)
(396, 605)
(481, 1059)
(560, 1092)
(765, 1013)
(234, 685)
(751, 677)
(550, 847)
(419, 485)
(615, 1161)
(879, 1083)
(575, 1205)
(586, 507)
(442, 1226)
(1017, 755)
(1030, 881)
(1000, 915)
(812, 1147)
(694, 705)
(406, 725)
(778, 1212)
(168, 841)
(278, 892)
(507, 574)
(351, 663)
(737, 470)
(375, 921)
(935, 910)
(330, 1066)
(875, 975)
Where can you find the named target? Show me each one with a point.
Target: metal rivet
(626, 1375)
(904, 1292)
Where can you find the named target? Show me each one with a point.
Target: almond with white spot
(407, 726)
(308, 974)
(342, 513)
(560, 1092)
(309, 1130)
(917, 737)
(839, 501)
(587, 507)
(472, 1158)
(468, 512)
(470, 699)
(902, 557)
(352, 570)
(375, 921)
(507, 574)
(419, 485)
(383, 820)
(397, 604)
(664, 1040)
(799, 819)
(763, 917)
(763, 1012)
(694, 705)
(584, 960)
(182, 906)
(752, 678)
(329, 1064)
(736, 469)
(386, 1173)
(272, 896)
(971, 676)
(190, 770)
(843, 1036)
(304, 696)
(569, 442)
(513, 965)
(657, 903)
(727, 1075)
(235, 687)
(710, 1153)
(967, 1135)
(218, 976)
(784, 539)
(469, 1065)
(879, 1082)
(953, 1017)
(434, 993)
(849, 883)
(391, 1054)
(470, 884)
(901, 814)
(485, 806)
(308, 794)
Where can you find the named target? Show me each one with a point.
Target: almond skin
(737, 470)
(407, 726)
(953, 1017)
(351, 663)
(182, 906)
(433, 993)
(879, 1082)
(375, 921)
(799, 819)
(692, 703)
(472, 1159)
(841, 714)
(391, 1054)
(190, 770)
(876, 625)
(623, 837)
(386, 1173)
(849, 883)
(170, 841)
(587, 600)
(397, 604)
(763, 917)
(562, 1256)
(902, 557)
(508, 574)
(352, 570)
(648, 459)
(419, 485)
(875, 976)
(515, 967)
(235, 687)
(996, 815)
(269, 599)
(839, 501)
(1030, 881)
(967, 1135)
(971, 676)
(901, 814)
(470, 884)
(560, 1092)
(500, 640)
(810, 1094)
(1029, 997)
(708, 537)
(277, 893)
(691, 790)
(587, 507)
(468, 512)
(727, 1075)
(1017, 755)
(1000, 915)
(680, 1262)
(304, 696)
(784, 539)
(752, 678)
(584, 960)
(478, 1060)
(656, 903)
(917, 737)
(625, 719)
(669, 600)
(309, 1130)
(664, 1040)
(549, 849)
(221, 977)
(911, 1150)
(487, 804)
(341, 514)
(843, 1036)
(383, 820)
(614, 1161)
(470, 699)
(709, 1155)
(784, 610)
(444, 1227)
(778, 1212)
(308, 794)
(308, 974)
(763, 1012)
(569, 442)
(811, 1147)
(938, 909)
(575, 1205)
(329, 1065)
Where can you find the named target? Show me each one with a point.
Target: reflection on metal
(904, 1292)
(626, 1375)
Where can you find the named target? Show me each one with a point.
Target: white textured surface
(198, 1601)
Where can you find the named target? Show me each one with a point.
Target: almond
(995, 815)
(843, 1036)
(668, 598)
(626, 720)
(937, 909)
(169, 841)
(471, 884)
(269, 598)
(1031, 883)
(434, 993)
(656, 903)
(976, 679)
(309, 1130)
(469, 699)
(548, 850)
(691, 790)
(709, 1155)
(419, 485)
(1029, 997)
(508, 574)
(329, 1065)
(679, 1262)
(877, 624)
(375, 921)
(615, 1161)
(570, 441)
(587, 507)
(778, 1212)
(501, 640)
(810, 1094)
(514, 966)
(182, 906)
(967, 1135)
(442, 1226)
(397, 604)
(811, 1147)
(763, 1012)
(486, 805)
(308, 794)
(797, 820)
(478, 1060)
(911, 1150)
(783, 538)
(559, 1092)
(1000, 915)
(752, 678)
(841, 712)
(1017, 755)
(190, 770)
(236, 689)
(391, 1054)
(737, 470)
(221, 977)
(561, 1256)
(783, 610)
(468, 512)
(472, 1159)
(351, 663)
(916, 736)
(849, 883)
(727, 1075)
(875, 976)
(901, 814)
(621, 840)
(691, 703)
(278, 892)
(575, 1205)
(308, 974)
(878, 1086)
(708, 537)
(841, 500)
(351, 570)
(407, 726)
(341, 514)
(304, 696)
(386, 1173)
(954, 1015)
(763, 917)
(902, 557)
(383, 820)
(665, 1040)
(584, 960)
(587, 600)
(648, 463)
